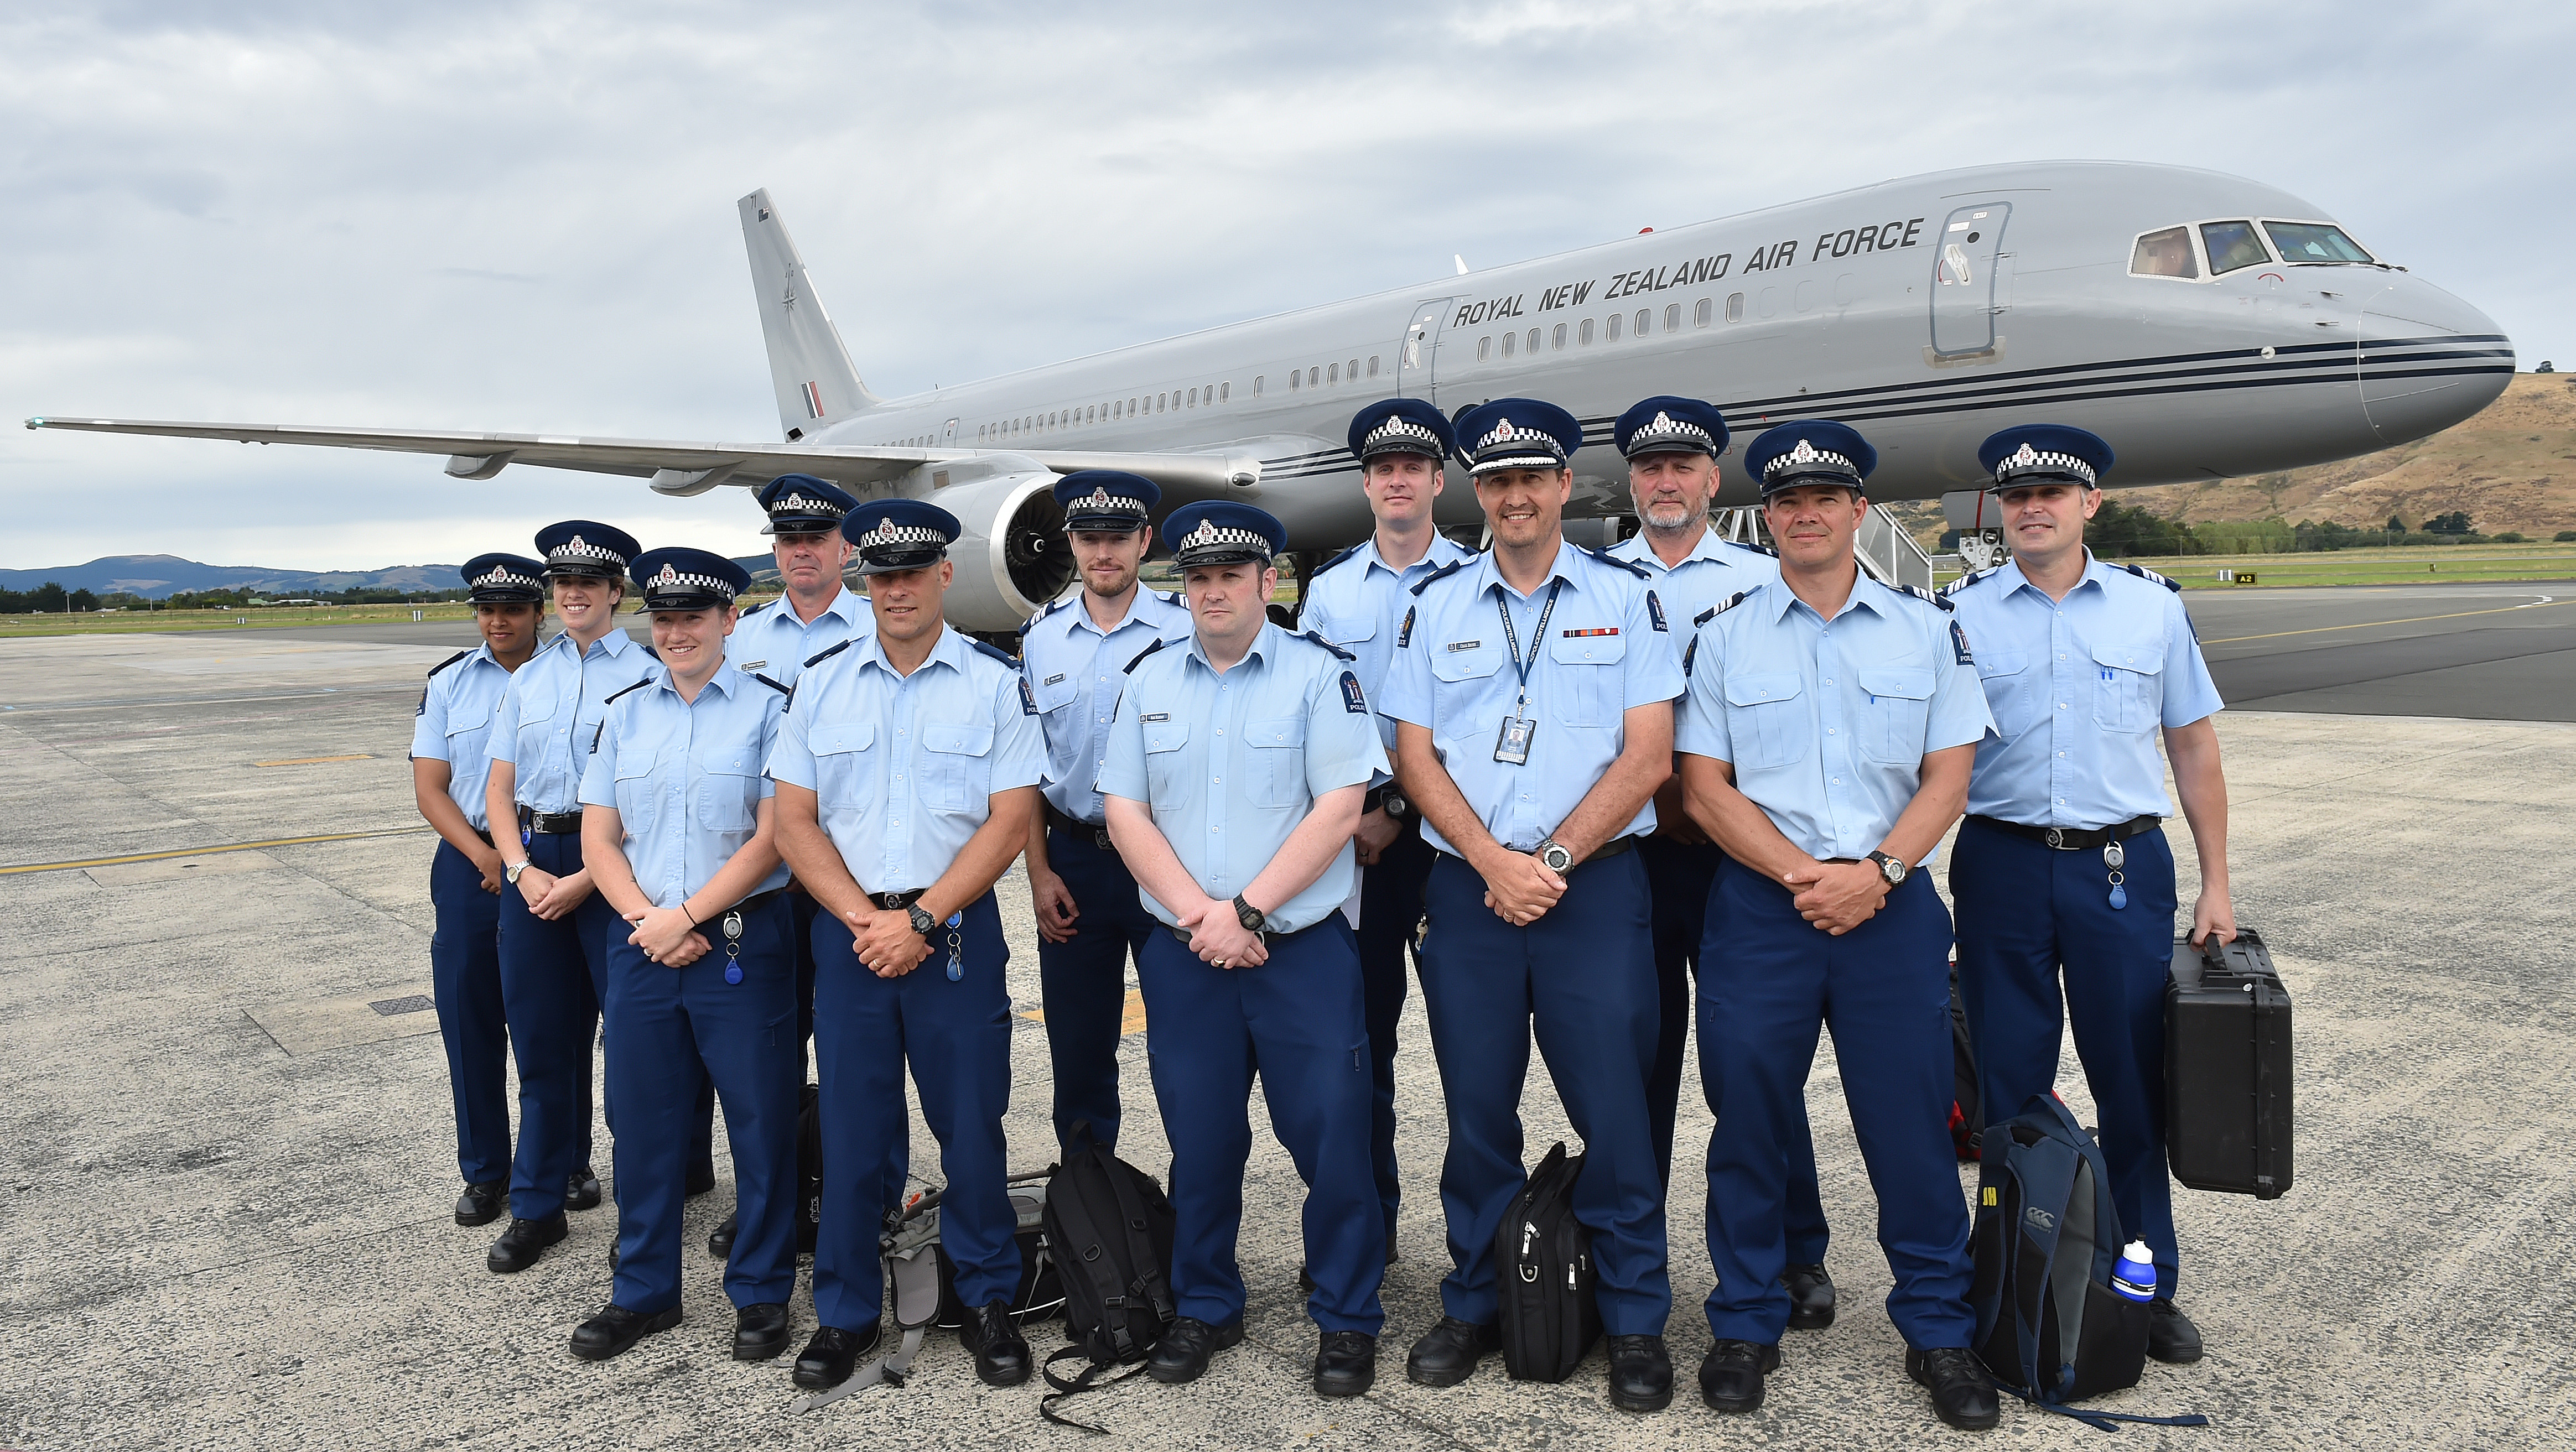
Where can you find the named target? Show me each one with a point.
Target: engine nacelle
(1012, 557)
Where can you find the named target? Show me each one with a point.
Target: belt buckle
(889, 901)
(2057, 838)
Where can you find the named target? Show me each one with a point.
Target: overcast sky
(520, 217)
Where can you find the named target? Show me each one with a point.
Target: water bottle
(2135, 1275)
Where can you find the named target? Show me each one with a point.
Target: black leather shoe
(1962, 1393)
(521, 1244)
(1447, 1353)
(1182, 1355)
(1811, 1297)
(1001, 1352)
(615, 1328)
(760, 1332)
(1641, 1374)
(720, 1239)
(1730, 1376)
(581, 1191)
(833, 1354)
(2170, 1334)
(701, 1180)
(482, 1204)
(1345, 1364)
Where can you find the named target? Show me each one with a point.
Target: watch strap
(922, 922)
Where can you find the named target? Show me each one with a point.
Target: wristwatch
(1253, 919)
(1553, 855)
(922, 922)
(1891, 868)
(510, 874)
(1394, 803)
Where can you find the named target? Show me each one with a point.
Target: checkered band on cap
(797, 504)
(669, 581)
(1521, 448)
(1400, 434)
(889, 535)
(1808, 456)
(1665, 429)
(1101, 501)
(1211, 535)
(502, 577)
(2027, 460)
(577, 548)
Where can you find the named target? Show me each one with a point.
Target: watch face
(1892, 870)
(1556, 858)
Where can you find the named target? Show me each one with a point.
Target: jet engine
(1012, 557)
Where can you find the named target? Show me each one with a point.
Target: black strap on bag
(1118, 1297)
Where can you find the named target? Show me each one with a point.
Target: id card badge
(1512, 746)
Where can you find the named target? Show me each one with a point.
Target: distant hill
(157, 577)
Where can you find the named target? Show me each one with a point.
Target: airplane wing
(684, 469)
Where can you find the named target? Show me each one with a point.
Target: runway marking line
(2409, 620)
(209, 851)
(317, 760)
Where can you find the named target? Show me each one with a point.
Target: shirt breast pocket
(1278, 762)
(1469, 694)
(1586, 678)
(2004, 675)
(536, 731)
(639, 794)
(847, 764)
(956, 765)
(1165, 760)
(1766, 717)
(466, 739)
(2128, 685)
(1899, 708)
(728, 796)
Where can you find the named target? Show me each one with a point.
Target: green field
(121, 622)
(2412, 565)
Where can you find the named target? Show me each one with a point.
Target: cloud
(279, 212)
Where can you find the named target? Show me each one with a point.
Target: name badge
(1152, 716)
(1512, 745)
(1051, 680)
(1464, 644)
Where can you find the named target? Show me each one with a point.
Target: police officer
(448, 767)
(774, 639)
(1354, 600)
(1533, 691)
(1825, 745)
(678, 834)
(1090, 917)
(1233, 785)
(907, 771)
(2062, 872)
(554, 929)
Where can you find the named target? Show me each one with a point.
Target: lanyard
(1538, 636)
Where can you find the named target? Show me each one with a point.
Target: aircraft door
(1963, 279)
(1418, 351)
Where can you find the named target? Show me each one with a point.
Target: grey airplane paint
(2206, 325)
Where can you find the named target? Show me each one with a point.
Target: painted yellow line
(2409, 620)
(317, 760)
(208, 851)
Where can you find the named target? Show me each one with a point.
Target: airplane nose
(2427, 359)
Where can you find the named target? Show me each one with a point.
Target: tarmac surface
(228, 1155)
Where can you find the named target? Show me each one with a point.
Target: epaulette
(784, 690)
(1328, 645)
(1718, 609)
(1607, 558)
(1972, 577)
(1052, 607)
(451, 660)
(1442, 573)
(648, 650)
(1130, 668)
(1174, 597)
(1759, 549)
(639, 685)
(1690, 652)
(2143, 573)
(1335, 560)
(821, 656)
(997, 653)
(1926, 596)
(763, 605)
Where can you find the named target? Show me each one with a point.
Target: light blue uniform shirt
(685, 778)
(1355, 601)
(770, 640)
(1827, 723)
(549, 718)
(2078, 688)
(904, 767)
(1608, 647)
(1076, 671)
(1714, 572)
(1231, 763)
(454, 723)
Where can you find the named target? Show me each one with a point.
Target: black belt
(895, 902)
(553, 824)
(1186, 939)
(755, 900)
(483, 836)
(2075, 839)
(1079, 830)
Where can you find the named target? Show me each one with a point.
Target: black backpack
(2049, 1326)
(1109, 1233)
(1967, 1116)
(1543, 1270)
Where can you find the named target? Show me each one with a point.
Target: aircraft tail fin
(807, 364)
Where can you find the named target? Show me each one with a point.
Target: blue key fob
(733, 972)
(2119, 895)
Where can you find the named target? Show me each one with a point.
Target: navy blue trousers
(957, 1036)
(1884, 990)
(1582, 976)
(803, 909)
(2040, 943)
(1681, 875)
(1390, 912)
(1297, 1020)
(1084, 983)
(672, 1032)
(551, 976)
(465, 980)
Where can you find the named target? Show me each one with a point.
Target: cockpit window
(2164, 254)
(2314, 242)
(2232, 245)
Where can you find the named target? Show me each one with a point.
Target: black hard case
(2227, 1068)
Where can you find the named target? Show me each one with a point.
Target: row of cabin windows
(1205, 394)
(1581, 333)
(1324, 374)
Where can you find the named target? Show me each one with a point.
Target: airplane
(2207, 326)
